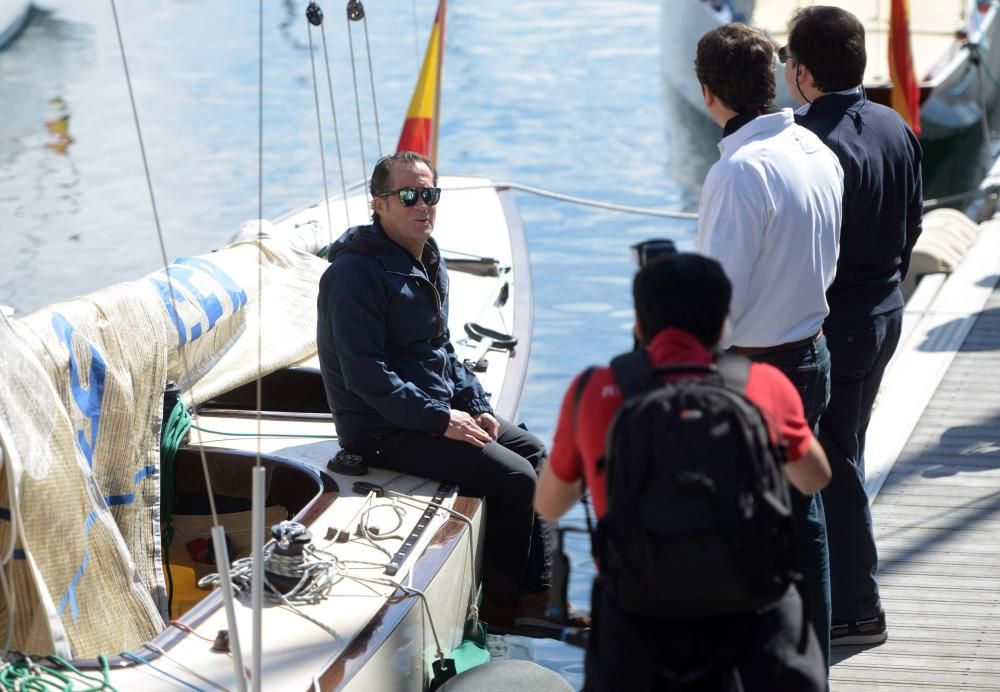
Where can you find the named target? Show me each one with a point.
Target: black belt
(751, 351)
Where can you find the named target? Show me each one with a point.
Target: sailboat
(137, 420)
(955, 56)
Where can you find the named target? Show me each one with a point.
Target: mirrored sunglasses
(783, 55)
(408, 195)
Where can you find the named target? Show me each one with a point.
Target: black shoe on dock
(867, 632)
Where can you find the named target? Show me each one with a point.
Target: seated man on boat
(883, 208)
(770, 214)
(401, 398)
(681, 303)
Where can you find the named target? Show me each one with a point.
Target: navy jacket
(384, 349)
(883, 202)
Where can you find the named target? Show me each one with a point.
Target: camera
(648, 250)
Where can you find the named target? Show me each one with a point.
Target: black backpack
(699, 519)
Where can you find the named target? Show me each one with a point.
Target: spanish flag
(420, 131)
(905, 90)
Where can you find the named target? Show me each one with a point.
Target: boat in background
(956, 57)
(13, 16)
(377, 573)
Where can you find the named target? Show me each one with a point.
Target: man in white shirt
(770, 213)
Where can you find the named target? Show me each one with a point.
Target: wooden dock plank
(937, 519)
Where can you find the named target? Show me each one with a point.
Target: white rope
(13, 503)
(644, 211)
(405, 499)
(318, 570)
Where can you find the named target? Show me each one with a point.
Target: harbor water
(564, 96)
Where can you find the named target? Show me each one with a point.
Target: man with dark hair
(770, 213)
(883, 203)
(681, 303)
(401, 398)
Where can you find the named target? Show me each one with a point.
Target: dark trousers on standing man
(860, 350)
(771, 650)
(808, 368)
(504, 472)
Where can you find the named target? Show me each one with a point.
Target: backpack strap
(581, 384)
(734, 371)
(632, 372)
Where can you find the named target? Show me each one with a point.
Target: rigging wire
(371, 81)
(163, 248)
(356, 11)
(257, 516)
(416, 37)
(216, 527)
(336, 130)
(314, 13)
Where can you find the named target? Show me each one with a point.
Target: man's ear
(637, 330)
(378, 205)
(707, 94)
(804, 75)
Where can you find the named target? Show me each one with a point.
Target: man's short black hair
(379, 183)
(736, 61)
(830, 42)
(685, 291)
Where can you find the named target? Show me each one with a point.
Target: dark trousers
(808, 368)
(767, 651)
(860, 351)
(504, 472)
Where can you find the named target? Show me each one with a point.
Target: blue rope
(140, 659)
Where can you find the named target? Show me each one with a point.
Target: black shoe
(867, 632)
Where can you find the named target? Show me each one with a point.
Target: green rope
(33, 676)
(244, 434)
(172, 435)
(175, 428)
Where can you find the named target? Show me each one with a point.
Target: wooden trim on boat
(394, 611)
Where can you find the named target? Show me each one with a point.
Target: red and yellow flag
(905, 90)
(420, 131)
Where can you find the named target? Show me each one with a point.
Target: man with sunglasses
(402, 400)
(770, 214)
(883, 203)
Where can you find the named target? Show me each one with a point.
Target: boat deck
(937, 512)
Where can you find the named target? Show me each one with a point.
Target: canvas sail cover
(81, 392)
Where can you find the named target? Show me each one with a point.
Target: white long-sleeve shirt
(770, 213)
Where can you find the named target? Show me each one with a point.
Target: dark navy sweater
(382, 334)
(883, 202)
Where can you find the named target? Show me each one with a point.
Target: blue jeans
(860, 349)
(808, 368)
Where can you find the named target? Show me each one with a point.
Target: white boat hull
(959, 91)
(382, 637)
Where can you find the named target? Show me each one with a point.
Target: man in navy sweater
(883, 202)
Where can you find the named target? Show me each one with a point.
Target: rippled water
(565, 96)
(561, 95)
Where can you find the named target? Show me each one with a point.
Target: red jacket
(575, 457)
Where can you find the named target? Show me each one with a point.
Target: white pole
(225, 583)
(257, 577)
